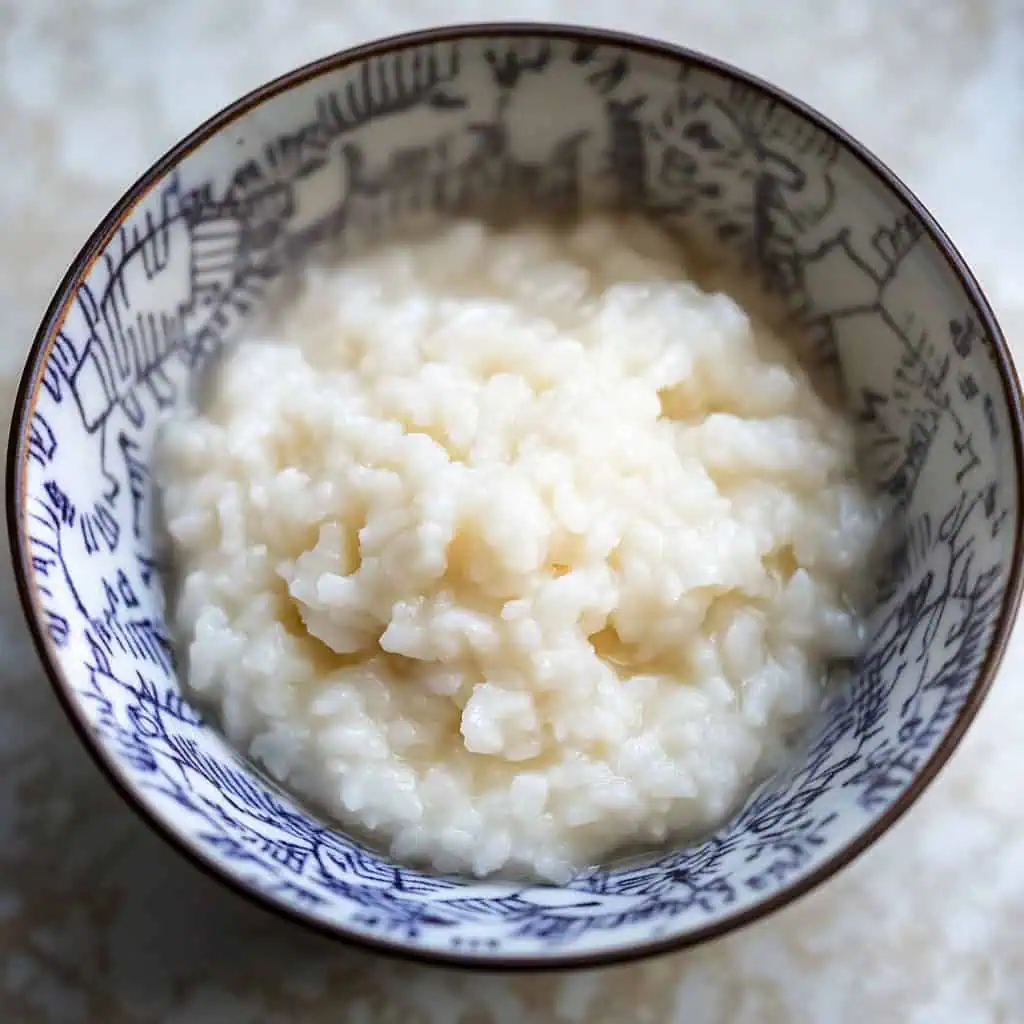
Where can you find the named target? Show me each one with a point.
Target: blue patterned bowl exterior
(538, 118)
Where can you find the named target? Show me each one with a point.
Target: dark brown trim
(54, 318)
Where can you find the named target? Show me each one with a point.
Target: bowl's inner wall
(508, 126)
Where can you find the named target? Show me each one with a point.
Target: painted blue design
(724, 166)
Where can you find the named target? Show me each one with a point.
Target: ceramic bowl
(546, 118)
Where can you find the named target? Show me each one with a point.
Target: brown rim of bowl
(53, 319)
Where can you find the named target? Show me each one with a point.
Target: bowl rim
(53, 318)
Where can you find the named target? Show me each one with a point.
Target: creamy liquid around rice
(513, 548)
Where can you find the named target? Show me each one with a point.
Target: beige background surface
(99, 922)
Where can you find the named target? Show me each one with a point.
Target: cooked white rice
(513, 548)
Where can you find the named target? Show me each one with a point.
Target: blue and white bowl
(550, 118)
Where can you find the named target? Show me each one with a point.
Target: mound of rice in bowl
(512, 548)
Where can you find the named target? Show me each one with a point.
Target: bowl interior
(504, 121)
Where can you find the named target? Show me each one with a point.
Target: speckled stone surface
(100, 922)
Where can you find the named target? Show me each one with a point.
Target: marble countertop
(100, 922)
